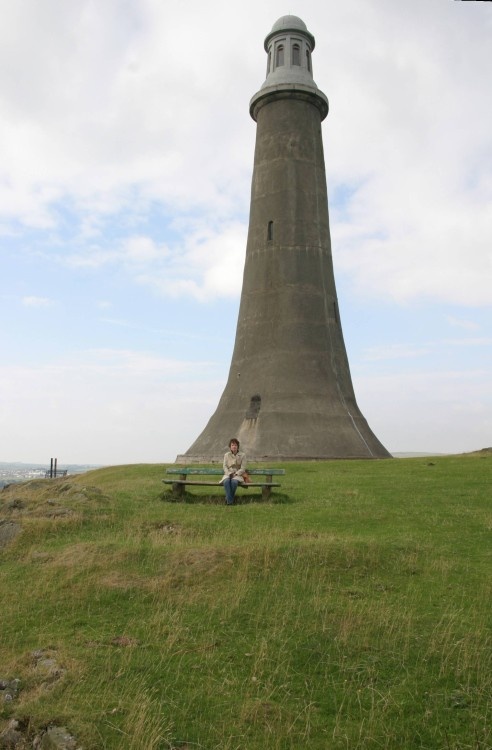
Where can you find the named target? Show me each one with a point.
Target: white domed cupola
(289, 46)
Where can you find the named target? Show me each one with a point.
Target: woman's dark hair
(234, 440)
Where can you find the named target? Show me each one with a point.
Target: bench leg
(178, 489)
(265, 492)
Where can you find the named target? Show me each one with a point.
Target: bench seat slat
(217, 484)
(219, 472)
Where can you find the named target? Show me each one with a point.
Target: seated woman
(234, 468)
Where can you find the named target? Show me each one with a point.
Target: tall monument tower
(289, 395)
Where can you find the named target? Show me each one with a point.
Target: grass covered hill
(351, 611)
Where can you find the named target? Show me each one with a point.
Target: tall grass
(351, 611)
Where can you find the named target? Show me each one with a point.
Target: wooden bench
(184, 472)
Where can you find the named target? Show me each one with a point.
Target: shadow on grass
(277, 498)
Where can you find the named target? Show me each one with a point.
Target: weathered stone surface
(19, 735)
(46, 664)
(12, 738)
(57, 738)
(9, 689)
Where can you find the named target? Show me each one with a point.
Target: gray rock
(57, 738)
(9, 690)
(46, 664)
(11, 738)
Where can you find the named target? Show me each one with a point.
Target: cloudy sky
(126, 159)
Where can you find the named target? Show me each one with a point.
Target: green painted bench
(184, 472)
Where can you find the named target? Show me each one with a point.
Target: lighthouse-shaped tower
(289, 395)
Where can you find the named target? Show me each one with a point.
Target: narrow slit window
(279, 56)
(269, 62)
(270, 231)
(296, 55)
(308, 60)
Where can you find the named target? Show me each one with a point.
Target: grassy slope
(352, 611)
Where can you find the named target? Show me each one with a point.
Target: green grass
(350, 611)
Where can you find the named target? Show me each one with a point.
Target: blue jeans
(230, 486)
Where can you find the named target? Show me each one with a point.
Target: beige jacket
(234, 464)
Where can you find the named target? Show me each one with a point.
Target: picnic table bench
(185, 472)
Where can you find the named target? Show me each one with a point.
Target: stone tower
(289, 395)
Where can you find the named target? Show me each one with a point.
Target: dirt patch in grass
(124, 581)
(80, 555)
(183, 568)
(267, 714)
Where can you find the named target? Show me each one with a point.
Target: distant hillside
(73, 468)
(481, 452)
(415, 454)
(18, 471)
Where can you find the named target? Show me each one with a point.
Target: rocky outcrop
(19, 735)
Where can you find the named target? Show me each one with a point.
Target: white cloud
(429, 411)
(469, 325)
(483, 343)
(394, 351)
(102, 101)
(402, 351)
(34, 301)
(409, 134)
(208, 264)
(142, 250)
(118, 111)
(105, 407)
